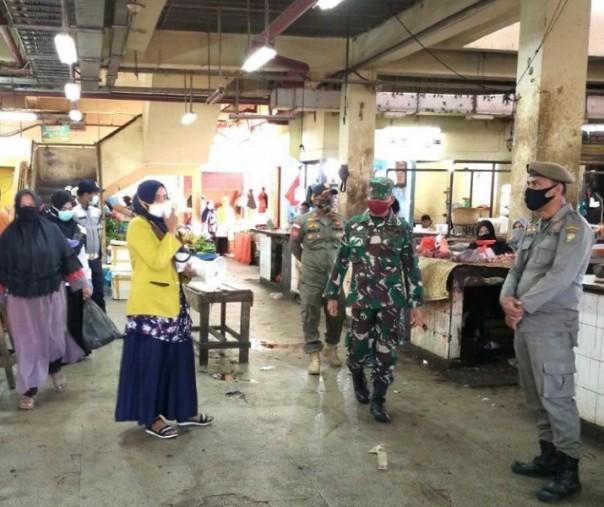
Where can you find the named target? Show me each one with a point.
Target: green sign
(55, 132)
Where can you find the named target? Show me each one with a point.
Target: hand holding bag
(97, 329)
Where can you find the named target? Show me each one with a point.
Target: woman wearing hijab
(157, 374)
(61, 214)
(35, 260)
(486, 231)
(518, 229)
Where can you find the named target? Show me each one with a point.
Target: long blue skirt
(157, 374)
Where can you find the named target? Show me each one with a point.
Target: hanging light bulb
(66, 48)
(72, 91)
(75, 115)
(189, 116)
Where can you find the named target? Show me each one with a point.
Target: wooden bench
(7, 360)
(201, 298)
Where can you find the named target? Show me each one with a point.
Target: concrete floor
(293, 441)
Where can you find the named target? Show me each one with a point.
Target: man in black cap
(540, 297)
(90, 220)
(314, 241)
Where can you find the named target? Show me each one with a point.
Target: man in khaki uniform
(540, 297)
(314, 241)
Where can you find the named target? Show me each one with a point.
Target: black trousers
(75, 311)
(222, 246)
(98, 282)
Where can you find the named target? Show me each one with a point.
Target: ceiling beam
(432, 21)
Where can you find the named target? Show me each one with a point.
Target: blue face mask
(65, 215)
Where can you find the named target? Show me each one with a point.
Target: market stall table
(201, 297)
(444, 283)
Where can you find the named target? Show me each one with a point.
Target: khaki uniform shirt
(548, 272)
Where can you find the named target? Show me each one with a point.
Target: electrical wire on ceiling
(436, 57)
(556, 16)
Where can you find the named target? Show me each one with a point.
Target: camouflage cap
(550, 170)
(322, 188)
(380, 188)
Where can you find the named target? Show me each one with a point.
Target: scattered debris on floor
(227, 377)
(382, 456)
(276, 295)
(266, 368)
(236, 395)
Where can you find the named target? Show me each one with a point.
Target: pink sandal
(59, 381)
(27, 402)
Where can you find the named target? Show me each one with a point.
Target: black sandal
(204, 420)
(164, 433)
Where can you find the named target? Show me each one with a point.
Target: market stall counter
(276, 260)
(462, 316)
(589, 353)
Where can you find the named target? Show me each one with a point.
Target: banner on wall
(55, 133)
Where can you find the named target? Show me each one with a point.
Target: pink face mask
(378, 207)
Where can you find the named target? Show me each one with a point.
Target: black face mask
(28, 213)
(536, 199)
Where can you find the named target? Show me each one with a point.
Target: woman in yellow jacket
(157, 374)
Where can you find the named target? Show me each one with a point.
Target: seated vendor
(426, 221)
(518, 228)
(486, 231)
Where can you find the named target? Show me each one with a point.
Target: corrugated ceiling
(199, 16)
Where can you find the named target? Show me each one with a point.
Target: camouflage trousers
(372, 341)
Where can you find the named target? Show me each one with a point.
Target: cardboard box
(120, 285)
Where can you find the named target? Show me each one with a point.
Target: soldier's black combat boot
(361, 391)
(565, 483)
(378, 399)
(544, 465)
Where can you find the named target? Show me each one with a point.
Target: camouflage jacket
(385, 268)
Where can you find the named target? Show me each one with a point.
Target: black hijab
(57, 201)
(145, 196)
(489, 226)
(34, 254)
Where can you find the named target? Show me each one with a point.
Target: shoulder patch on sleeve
(571, 233)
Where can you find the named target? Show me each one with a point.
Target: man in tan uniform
(540, 297)
(314, 240)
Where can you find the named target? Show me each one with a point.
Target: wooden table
(7, 360)
(201, 297)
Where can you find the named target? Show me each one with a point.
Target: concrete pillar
(196, 193)
(551, 93)
(357, 139)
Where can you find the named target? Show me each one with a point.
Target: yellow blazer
(155, 288)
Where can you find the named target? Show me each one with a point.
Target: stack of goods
(484, 254)
(200, 246)
(434, 247)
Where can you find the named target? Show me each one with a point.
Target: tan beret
(550, 170)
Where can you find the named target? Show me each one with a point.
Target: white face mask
(95, 200)
(160, 210)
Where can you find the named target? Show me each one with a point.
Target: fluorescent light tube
(258, 58)
(593, 127)
(20, 116)
(216, 96)
(75, 115)
(188, 118)
(72, 92)
(66, 48)
(328, 4)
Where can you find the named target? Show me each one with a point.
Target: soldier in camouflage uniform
(314, 241)
(385, 281)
